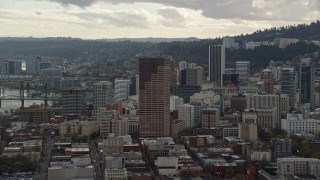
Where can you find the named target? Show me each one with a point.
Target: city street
(42, 169)
(98, 172)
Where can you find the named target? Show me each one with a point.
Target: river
(14, 104)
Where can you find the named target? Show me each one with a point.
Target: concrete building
(70, 171)
(167, 165)
(261, 155)
(175, 101)
(112, 145)
(191, 76)
(248, 131)
(216, 63)
(104, 119)
(280, 148)
(115, 168)
(296, 123)
(103, 94)
(132, 123)
(267, 102)
(119, 174)
(298, 166)
(155, 80)
(35, 115)
(210, 118)
(119, 127)
(121, 89)
(183, 65)
(284, 104)
(186, 113)
(249, 116)
(114, 161)
(266, 118)
(230, 132)
(78, 128)
(197, 112)
(229, 42)
(243, 69)
(74, 101)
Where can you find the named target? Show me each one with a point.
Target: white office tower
(296, 123)
(121, 89)
(183, 65)
(103, 94)
(243, 69)
(175, 101)
(186, 113)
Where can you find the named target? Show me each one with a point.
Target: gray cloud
(119, 19)
(80, 3)
(172, 17)
(270, 10)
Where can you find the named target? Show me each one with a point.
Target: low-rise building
(35, 115)
(298, 166)
(167, 165)
(296, 123)
(77, 127)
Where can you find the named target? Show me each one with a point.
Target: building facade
(154, 96)
(121, 89)
(186, 113)
(289, 84)
(267, 79)
(216, 63)
(103, 94)
(74, 101)
(267, 102)
(243, 69)
(210, 118)
(306, 82)
(298, 166)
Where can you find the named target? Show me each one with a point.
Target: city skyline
(98, 19)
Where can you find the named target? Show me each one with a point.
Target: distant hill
(149, 39)
(302, 31)
(189, 49)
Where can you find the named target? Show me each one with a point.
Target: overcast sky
(94, 19)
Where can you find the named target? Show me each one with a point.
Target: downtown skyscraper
(306, 82)
(289, 83)
(154, 96)
(216, 63)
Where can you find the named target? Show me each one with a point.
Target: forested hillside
(194, 51)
